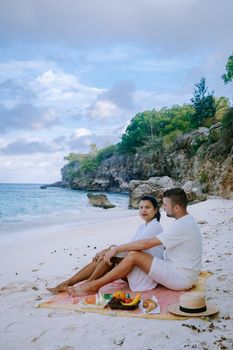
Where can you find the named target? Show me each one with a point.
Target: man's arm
(141, 244)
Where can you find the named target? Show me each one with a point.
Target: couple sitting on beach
(171, 258)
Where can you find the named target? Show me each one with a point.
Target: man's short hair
(177, 196)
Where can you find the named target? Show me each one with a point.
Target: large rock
(164, 181)
(192, 139)
(155, 186)
(194, 192)
(99, 200)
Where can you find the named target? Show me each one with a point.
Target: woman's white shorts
(137, 279)
(163, 272)
(140, 281)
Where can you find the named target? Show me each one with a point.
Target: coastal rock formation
(68, 173)
(100, 201)
(55, 184)
(199, 156)
(115, 173)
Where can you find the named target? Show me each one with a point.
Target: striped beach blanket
(164, 296)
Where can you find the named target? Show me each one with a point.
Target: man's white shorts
(163, 272)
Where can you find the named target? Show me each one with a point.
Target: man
(182, 258)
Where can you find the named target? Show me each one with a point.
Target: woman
(137, 279)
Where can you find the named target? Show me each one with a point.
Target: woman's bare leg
(102, 268)
(80, 276)
(90, 272)
(140, 259)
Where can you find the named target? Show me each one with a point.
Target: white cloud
(49, 115)
(80, 132)
(63, 91)
(31, 168)
(51, 78)
(14, 67)
(46, 78)
(26, 116)
(102, 110)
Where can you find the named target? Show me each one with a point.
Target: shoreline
(71, 218)
(33, 261)
(61, 221)
(26, 206)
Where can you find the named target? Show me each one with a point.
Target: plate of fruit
(123, 301)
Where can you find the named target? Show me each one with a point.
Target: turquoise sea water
(24, 203)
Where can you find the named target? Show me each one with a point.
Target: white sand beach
(39, 257)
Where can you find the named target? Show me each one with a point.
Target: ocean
(24, 205)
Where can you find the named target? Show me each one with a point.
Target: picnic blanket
(165, 297)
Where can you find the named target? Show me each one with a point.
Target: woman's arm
(142, 244)
(100, 255)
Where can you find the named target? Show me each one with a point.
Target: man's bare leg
(140, 259)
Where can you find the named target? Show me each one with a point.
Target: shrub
(203, 177)
(152, 145)
(227, 129)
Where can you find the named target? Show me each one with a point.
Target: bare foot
(58, 289)
(85, 288)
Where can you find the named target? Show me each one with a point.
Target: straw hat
(193, 304)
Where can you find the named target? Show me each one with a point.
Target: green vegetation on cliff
(89, 162)
(164, 124)
(154, 131)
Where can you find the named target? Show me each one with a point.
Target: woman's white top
(137, 279)
(152, 229)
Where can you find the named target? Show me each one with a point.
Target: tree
(222, 104)
(139, 128)
(228, 76)
(152, 125)
(105, 153)
(72, 157)
(203, 103)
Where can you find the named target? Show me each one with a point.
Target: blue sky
(74, 73)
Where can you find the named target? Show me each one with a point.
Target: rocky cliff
(199, 156)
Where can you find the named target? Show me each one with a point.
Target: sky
(74, 73)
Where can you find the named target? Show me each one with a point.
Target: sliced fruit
(128, 300)
(135, 300)
(119, 295)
